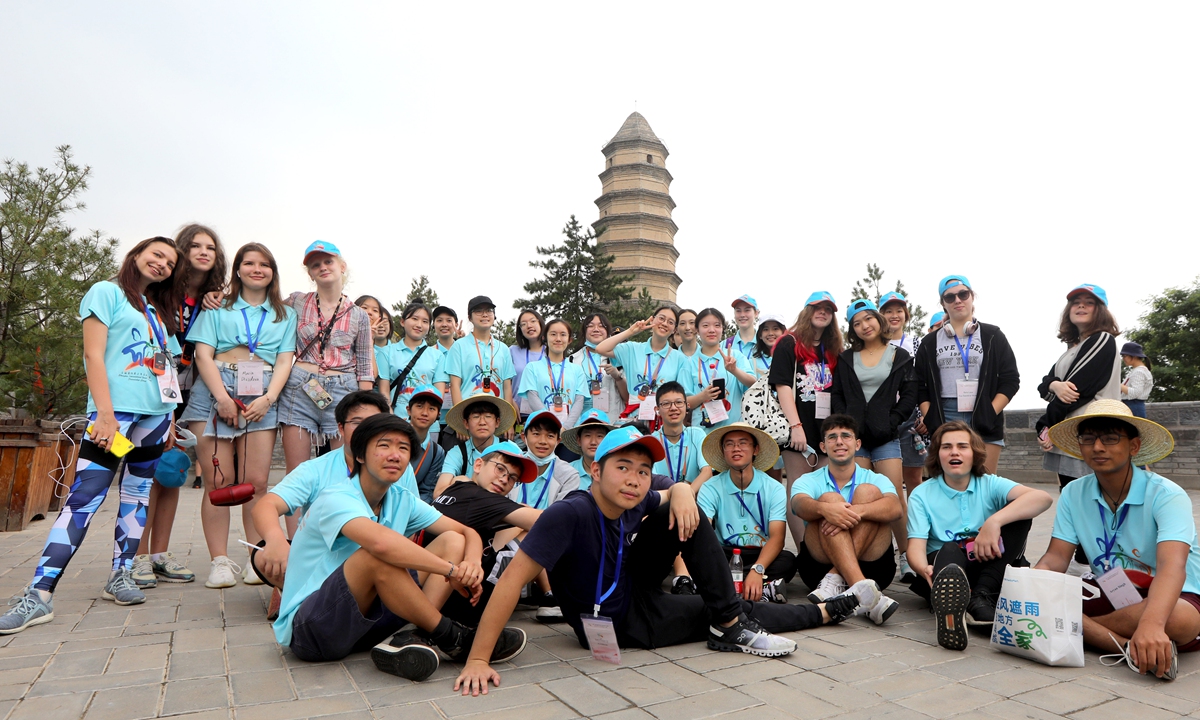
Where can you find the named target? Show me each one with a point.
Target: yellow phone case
(120, 445)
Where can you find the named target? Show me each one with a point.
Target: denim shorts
(297, 408)
(886, 451)
(202, 408)
(950, 412)
(329, 626)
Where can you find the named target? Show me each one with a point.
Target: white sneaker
(223, 573)
(882, 610)
(249, 577)
(832, 584)
(867, 592)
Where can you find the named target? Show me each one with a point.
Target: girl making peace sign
(711, 368)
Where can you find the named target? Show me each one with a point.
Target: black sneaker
(949, 596)
(456, 644)
(747, 636)
(841, 607)
(683, 585)
(406, 655)
(509, 645)
(981, 609)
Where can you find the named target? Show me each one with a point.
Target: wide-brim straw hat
(508, 413)
(764, 459)
(570, 436)
(1157, 442)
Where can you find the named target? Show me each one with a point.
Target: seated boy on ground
(555, 477)
(349, 585)
(684, 459)
(481, 418)
(848, 510)
(583, 439)
(748, 509)
(1133, 525)
(424, 407)
(598, 567)
(960, 506)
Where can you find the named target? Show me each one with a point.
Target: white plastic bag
(1039, 616)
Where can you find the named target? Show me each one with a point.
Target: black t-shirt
(478, 509)
(566, 541)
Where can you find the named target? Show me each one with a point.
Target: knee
(832, 497)
(866, 494)
(450, 546)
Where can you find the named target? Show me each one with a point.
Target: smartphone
(719, 384)
(120, 445)
(971, 549)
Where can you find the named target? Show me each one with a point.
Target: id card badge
(716, 411)
(1118, 588)
(317, 394)
(966, 391)
(600, 401)
(168, 385)
(824, 405)
(602, 638)
(250, 378)
(646, 410)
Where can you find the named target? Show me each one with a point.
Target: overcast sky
(1031, 146)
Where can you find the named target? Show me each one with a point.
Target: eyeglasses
(665, 320)
(502, 471)
(729, 444)
(962, 295)
(839, 436)
(1105, 439)
(671, 405)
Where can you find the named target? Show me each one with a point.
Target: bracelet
(452, 568)
(795, 425)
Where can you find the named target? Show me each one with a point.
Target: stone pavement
(201, 654)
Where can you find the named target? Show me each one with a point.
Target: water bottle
(735, 569)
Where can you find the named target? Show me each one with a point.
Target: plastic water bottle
(735, 569)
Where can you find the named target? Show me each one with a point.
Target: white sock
(158, 557)
(44, 595)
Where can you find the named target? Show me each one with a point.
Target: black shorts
(329, 626)
(881, 570)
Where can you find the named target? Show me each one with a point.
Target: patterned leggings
(93, 476)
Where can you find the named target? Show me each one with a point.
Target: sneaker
(773, 591)
(882, 610)
(169, 569)
(549, 611)
(273, 605)
(121, 589)
(906, 572)
(250, 577)
(683, 585)
(458, 644)
(840, 607)
(831, 585)
(747, 636)
(509, 645)
(406, 655)
(949, 596)
(143, 572)
(981, 609)
(223, 573)
(28, 609)
(1117, 657)
(197, 484)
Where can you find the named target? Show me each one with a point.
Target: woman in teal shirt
(646, 364)
(553, 383)
(414, 322)
(710, 364)
(381, 337)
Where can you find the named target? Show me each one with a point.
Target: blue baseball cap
(820, 296)
(858, 306)
(510, 450)
(745, 299)
(1095, 290)
(428, 392)
(625, 436)
(937, 318)
(951, 281)
(543, 413)
(172, 470)
(321, 246)
(892, 297)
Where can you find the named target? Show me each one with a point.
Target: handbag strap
(399, 381)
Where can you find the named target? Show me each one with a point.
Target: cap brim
(649, 442)
(508, 414)
(427, 396)
(768, 449)
(1157, 441)
(529, 471)
(570, 436)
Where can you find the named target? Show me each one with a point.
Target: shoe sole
(411, 662)
(971, 621)
(144, 584)
(514, 652)
(109, 596)
(949, 596)
(254, 580)
(214, 586)
(734, 647)
(169, 579)
(549, 619)
(36, 621)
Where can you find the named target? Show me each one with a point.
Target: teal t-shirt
(684, 459)
(454, 458)
(646, 370)
(742, 518)
(471, 361)
(585, 480)
(301, 486)
(226, 328)
(1154, 510)
(319, 548)
(940, 514)
(132, 341)
(817, 483)
(423, 373)
(744, 348)
(548, 378)
(699, 374)
(383, 363)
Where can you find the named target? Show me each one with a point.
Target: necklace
(1114, 503)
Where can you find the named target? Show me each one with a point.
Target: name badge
(600, 401)
(250, 378)
(1118, 588)
(646, 409)
(824, 405)
(168, 385)
(602, 638)
(966, 390)
(716, 411)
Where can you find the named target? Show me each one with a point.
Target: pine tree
(871, 288)
(1170, 334)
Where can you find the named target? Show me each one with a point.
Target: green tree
(872, 288)
(505, 331)
(419, 289)
(45, 268)
(638, 308)
(1170, 334)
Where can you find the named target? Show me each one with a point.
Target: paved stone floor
(196, 653)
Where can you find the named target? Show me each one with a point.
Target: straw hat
(768, 451)
(570, 436)
(1157, 442)
(508, 413)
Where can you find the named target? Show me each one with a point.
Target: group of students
(589, 516)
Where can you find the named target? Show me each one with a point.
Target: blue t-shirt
(744, 348)
(1155, 510)
(585, 479)
(817, 483)
(301, 486)
(684, 458)
(635, 357)
(470, 360)
(567, 541)
(131, 343)
(319, 548)
(383, 363)
(454, 464)
(399, 356)
(940, 514)
(699, 373)
(742, 518)
(225, 328)
(567, 379)
(554, 482)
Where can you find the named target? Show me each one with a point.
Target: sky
(1029, 146)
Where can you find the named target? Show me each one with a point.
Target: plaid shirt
(349, 348)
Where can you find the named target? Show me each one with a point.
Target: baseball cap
(1095, 290)
(937, 318)
(540, 414)
(509, 449)
(623, 437)
(428, 392)
(745, 299)
(443, 310)
(892, 297)
(321, 246)
(479, 301)
(858, 306)
(772, 317)
(820, 296)
(951, 281)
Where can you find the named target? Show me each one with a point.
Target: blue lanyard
(154, 328)
(762, 516)
(963, 353)
(851, 486)
(588, 353)
(765, 360)
(191, 318)
(676, 475)
(542, 496)
(821, 359)
(253, 340)
(1109, 543)
(556, 387)
(601, 594)
(704, 368)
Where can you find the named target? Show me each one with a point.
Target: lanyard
(963, 353)
(704, 368)
(765, 360)
(422, 460)
(821, 359)
(1109, 543)
(542, 495)
(851, 486)
(652, 380)
(601, 594)
(762, 516)
(596, 368)
(191, 320)
(677, 472)
(323, 331)
(556, 387)
(157, 331)
(491, 357)
(253, 340)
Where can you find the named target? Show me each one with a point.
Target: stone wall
(1022, 458)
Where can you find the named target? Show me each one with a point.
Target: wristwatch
(762, 571)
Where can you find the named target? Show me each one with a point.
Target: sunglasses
(962, 295)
